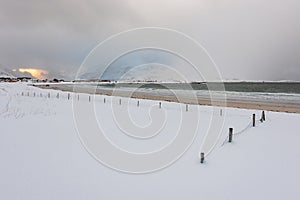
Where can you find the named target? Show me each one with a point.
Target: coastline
(241, 102)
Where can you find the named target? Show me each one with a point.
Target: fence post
(49, 95)
(138, 103)
(89, 98)
(230, 134)
(22, 93)
(159, 105)
(34, 94)
(57, 96)
(263, 116)
(253, 120)
(78, 97)
(120, 101)
(104, 100)
(202, 158)
(68, 96)
(186, 107)
(221, 112)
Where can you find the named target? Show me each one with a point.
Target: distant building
(24, 79)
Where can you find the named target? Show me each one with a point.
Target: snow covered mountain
(14, 73)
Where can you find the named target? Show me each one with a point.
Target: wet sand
(241, 102)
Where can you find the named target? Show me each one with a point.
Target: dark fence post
(230, 134)
(138, 103)
(89, 98)
(221, 112)
(253, 120)
(120, 101)
(202, 158)
(186, 107)
(68, 96)
(159, 105)
(104, 100)
(263, 116)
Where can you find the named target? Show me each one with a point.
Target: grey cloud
(251, 39)
(57, 35)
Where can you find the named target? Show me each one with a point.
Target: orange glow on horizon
(37, 73)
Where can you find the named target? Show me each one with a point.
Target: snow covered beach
(42, 156)
(280, 102)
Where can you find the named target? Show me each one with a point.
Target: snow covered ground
(42, 156)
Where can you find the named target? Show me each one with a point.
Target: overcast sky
(248, 39)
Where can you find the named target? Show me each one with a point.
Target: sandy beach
(277, 105)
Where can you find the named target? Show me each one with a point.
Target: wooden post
(202, 158)
(221, 112)
(104, 100)
(138, 103)
(230, 134)
(57, 96)
(263, 116)
(120, 101)
(159, 105)
(186, 107)
(68, 96)
(49, 95)
(34, 94)
(253, 120)
(89, 98)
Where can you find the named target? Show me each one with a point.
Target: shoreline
(246, 103)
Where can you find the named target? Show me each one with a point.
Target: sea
(248, 87)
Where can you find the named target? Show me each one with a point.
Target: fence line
(76, 96)
(137, 102)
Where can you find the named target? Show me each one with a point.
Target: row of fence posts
(202, 155)
(28, 94)
(263, 117)
(230, 135)
(104, 100)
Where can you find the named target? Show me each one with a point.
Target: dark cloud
(251, 39)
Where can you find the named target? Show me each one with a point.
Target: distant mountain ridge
(13, 73)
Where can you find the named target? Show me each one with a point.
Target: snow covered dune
(42, 156)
